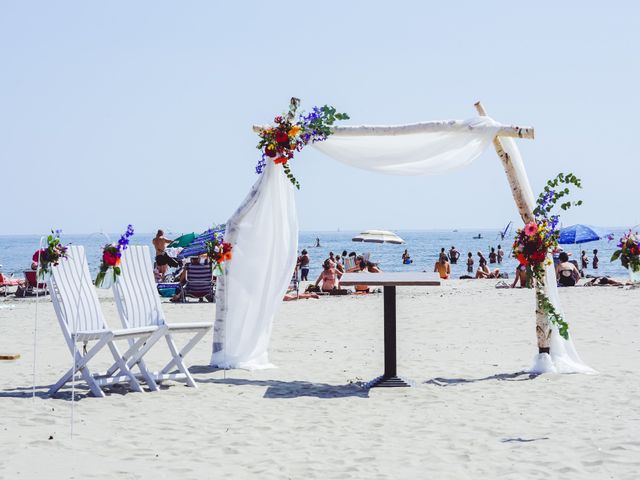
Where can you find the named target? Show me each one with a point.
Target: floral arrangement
(50, 255)
(628, 251)
(218, 251)
(289, 135)
(111, 255)
(536, 239)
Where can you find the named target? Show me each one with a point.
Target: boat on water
(478, 237)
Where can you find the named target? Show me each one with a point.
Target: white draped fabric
(264, 230)
(423, 149)
(264, 235)
(563, 355)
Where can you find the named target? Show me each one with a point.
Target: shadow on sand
(295, 388)
(508, 377)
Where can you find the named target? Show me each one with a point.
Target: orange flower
(282, 160)
(227, 256)
(295, 130)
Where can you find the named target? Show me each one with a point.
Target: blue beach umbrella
(580, 234)
(198, 245)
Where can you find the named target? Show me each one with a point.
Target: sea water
(423, 246)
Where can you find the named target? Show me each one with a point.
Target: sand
(472, 413)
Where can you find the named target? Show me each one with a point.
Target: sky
(140, 112)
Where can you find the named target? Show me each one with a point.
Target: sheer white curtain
(264, 235)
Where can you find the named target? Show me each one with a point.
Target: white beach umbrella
(377, 236)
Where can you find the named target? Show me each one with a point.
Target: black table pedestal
(390, 377)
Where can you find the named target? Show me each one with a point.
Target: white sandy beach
(470, 415)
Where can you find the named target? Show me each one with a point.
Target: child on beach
(595, 259)
(470, 263)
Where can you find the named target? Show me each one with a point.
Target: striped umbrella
(198, 245)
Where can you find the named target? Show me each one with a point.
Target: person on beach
(163, 259)
(454, 255)
(481, 261)
(520, 276)
(332, 258)
(366, 267)
(484, 272)
(500, 254)
(303, 265)
(566, 272)
(406, 258)
(470, 263)
(339, 266)
(595, 259)
(442, 267)
(493, 256)
(329, 277)
(584, 260)
(443, 256)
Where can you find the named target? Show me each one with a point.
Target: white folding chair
(139, 305)
(80, 317)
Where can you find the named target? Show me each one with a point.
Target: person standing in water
(317, 242)
(584, 260)
(500, 254)
(303, 263)
(406, 258)
(454, 255)
(493, 256)
(595, 259)
(470, 263)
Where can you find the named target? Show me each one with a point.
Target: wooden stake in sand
(543, 329)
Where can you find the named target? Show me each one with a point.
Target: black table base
(390, 377)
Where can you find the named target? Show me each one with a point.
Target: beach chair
(199, 282)
(6, 282)
(294, 285)
(80, 317)
(139, 305)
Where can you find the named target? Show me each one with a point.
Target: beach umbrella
(377, 236)
(580, 234)
(198, 244)
(183, 240)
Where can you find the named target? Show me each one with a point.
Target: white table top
(390, 279)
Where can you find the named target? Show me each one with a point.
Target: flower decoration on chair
(628, 251)
(279, 142)
(50, 255)
(218, 251)
(536, 239)
(111, 255)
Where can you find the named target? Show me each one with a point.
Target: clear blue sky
(140, 112)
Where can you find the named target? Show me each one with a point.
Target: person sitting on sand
(484, 272)
(366, 267)
(443, 268)
(470, 263)
(566, 272)
(329, 277)
(339, 266)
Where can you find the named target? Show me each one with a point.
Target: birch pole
(543, 329)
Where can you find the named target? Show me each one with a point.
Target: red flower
(270, 151)
(522, 259)
(538, 256)
(110, 259)
(282, 138)
(282, 160)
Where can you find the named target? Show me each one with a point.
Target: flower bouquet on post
(218, 251)
(111, 254)
(629, 254)
(44, 258)
(290, 134)
(534, 242)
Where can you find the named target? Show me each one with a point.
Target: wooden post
(543, 329)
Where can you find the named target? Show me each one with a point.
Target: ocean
(423, 245)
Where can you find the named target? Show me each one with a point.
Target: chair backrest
(73, 295)
(199, 277)
(135, 290)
